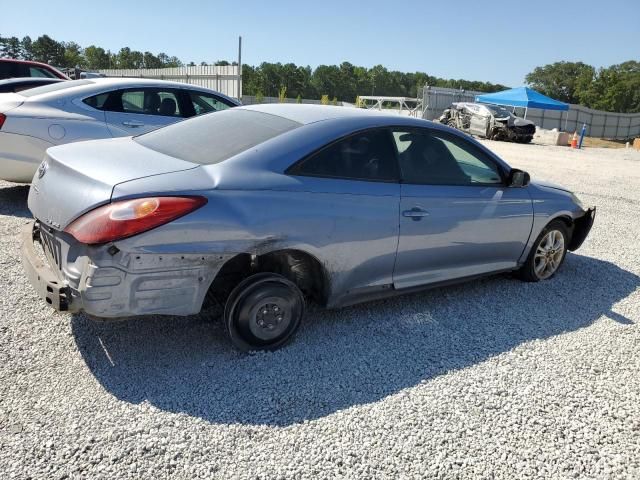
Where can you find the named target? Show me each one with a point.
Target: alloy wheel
(549, 254)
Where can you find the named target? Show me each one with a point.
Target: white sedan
(65, 112)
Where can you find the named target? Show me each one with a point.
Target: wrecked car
(488, 121)
(263, 208)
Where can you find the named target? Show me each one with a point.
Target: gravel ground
(491, 379)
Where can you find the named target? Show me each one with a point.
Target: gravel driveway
(490, 379)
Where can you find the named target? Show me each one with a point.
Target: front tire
(547, 253)
(263, 312)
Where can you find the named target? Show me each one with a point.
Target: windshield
(499, 112)
(54, 87)
(215, 137)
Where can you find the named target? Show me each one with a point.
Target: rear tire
(263, 312)
(547, 253)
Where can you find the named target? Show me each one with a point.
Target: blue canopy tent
(523, 97)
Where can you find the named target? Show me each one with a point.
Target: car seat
(167, 107)
(151, 103)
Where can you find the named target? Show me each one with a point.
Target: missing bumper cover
(44, 280)
(582, 227)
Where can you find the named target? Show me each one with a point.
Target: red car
(10, 68)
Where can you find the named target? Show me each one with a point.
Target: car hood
(77, 177)
(555, 186)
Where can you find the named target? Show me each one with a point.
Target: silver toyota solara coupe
(262, 208)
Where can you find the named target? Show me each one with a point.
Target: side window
(437, 158)
(40, 72)
(97, 101)
(148, 101)
(8, 70)
(205, 103)
(363, 156)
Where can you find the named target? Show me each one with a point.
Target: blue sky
(495, 41)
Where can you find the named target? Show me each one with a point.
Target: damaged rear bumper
(112, 285)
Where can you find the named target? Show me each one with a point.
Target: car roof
(9, 81)
(88, 86)
(306, 113)
(29, 62)
(37, 64)
(117, 81)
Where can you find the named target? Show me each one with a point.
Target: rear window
(40, 72)
(54, 87)
(215, 137)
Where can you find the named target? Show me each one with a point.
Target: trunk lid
(9, 101)
(77, 177)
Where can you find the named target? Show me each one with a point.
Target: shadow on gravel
(347, 357)
(13, 200)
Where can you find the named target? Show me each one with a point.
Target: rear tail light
(3, 117)
(126, 218)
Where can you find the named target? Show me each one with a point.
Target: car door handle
(415, 213)
(133, 124)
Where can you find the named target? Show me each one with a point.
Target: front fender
(551, 203)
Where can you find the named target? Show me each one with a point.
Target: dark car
(11, 68)
(14, 85)
(488, 121)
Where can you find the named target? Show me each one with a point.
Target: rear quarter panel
(57, 122)
(20, 156)
(24, 143)
(353, 236)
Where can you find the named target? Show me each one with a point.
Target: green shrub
(282, 94)
(324, 100)
(259, 97)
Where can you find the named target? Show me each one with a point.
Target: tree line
(343, 82)
(70, 54)
(615, 88)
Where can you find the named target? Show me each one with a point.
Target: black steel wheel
(263, 312)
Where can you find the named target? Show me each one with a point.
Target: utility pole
(240, 68)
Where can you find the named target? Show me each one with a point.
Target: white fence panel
(223, 79)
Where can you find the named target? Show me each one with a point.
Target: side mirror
(518, 178)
